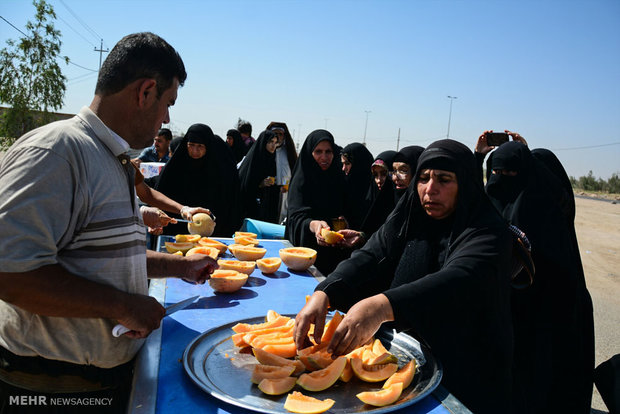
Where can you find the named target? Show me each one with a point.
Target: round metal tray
(215, 365)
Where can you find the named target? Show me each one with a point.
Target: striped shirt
(66, 200)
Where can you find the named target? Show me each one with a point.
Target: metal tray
(215, 365)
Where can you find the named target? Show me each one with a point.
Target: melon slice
(382, 398)
(404, 375)
(298, 258)
(266, 358)
(208, 251)
(183, 238)
(296, 402)
(331, 326)
(322, 379)
(238, 265)
(227, 281)
(269, 265)
(172, 247)
(205, 241)
(331, 237)
(277, 386)
(248, 252)
(372, 373)
(247, 327)
(260, 372)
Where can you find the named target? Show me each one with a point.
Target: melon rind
(322, 379)
(296, 402)
(383, 397)
(372, 373)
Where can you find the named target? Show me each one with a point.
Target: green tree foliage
(591, 183)
(31, 81)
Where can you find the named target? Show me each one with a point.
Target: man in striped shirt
(73, 258)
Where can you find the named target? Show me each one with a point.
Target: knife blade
(120, 329)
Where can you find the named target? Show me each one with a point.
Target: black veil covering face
(211, 181)
(358, 184)
(259, 203)
(315, 194)
(382, 201)
(553, 319)
(448, 281)
(408, 155)
(237, 148)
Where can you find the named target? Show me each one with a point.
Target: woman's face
(230, 140)
(438, 190)
(195, 150)
(401, 175)
(272, 144)
(379, 174)
(346, 165)
(323, 154)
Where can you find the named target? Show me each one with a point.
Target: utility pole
(452, 98)
(101, 52)
(398, 140)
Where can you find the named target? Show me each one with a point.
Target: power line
(13, 26)
(586, 147)
(76, 32)
(91, 31)
(79, 66)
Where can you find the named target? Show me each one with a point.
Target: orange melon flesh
(383, 397)
(261, 372)
(247, 327)
(246, 267)
(266, 358)
(205, 241)
(328, 333)
(277, 386)
(298, 258)
(227, 281)
(404, 375)
(271, 315)
(208, 251)
(246, 234)
(347, 373)
(284, 350)
(246, 241)
(269, 265)
(296, 402)
(372, 373)
(322, 379)
(248, 252)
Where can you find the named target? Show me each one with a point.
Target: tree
(30, 78)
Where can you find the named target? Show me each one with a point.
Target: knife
(119, 329)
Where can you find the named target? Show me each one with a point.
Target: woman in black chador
(316, 198)
(553, 319)
(260, 193)
(235, 142)
(381, 193)
(357, 160)
(202, 172)
(440, 270)
(403, 168)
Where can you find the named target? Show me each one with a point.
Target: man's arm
(157, 199)
(52, 291)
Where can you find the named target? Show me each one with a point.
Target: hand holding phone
(495, 139)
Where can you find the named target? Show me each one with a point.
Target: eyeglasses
(402, 174)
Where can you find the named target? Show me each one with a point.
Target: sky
(373, 71)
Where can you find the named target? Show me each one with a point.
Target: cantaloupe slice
(298, 258)
(247, 327)
(260, 372)
(248, 253)
(183, 238)
(284, 350)
(246, 241)
(296, 402)
(269, 265)
(266, 358)
(322, 379)
(331, 237)
(208, 251)
(227, 281)
(245, 233)
(277, 386)
(331, 326)
(205, 241)
(404, 375)
(383, 397)
(372, 373)
(246, 267)
(172, 247)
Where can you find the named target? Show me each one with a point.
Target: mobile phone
(495, 139)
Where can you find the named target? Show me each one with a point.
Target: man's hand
(155, 219)
(188, 212)
(144, 315)
(198, 268)
(313, 312)
(360, 323)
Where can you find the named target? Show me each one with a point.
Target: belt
(50, 376)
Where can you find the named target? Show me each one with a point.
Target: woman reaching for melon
(439, 270)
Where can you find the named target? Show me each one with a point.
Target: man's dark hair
(137, 56)
(244, 127)
(166, 133)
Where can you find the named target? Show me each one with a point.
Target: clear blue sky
(547, 69)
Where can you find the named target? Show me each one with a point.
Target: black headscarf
(315, 194)
(408, 155)
(382, 201)
(238, 148)
(358, 184)
(291, 154)
(447, 280)
(211, 182)
(259, 203)
(553, 318)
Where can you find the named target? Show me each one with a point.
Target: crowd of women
(427, 250)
